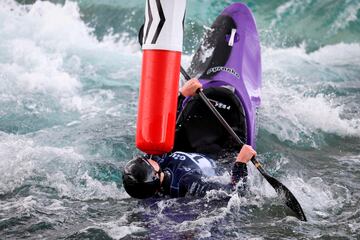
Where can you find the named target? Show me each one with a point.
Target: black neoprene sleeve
(238, 172)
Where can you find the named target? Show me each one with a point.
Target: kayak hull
(230, 55)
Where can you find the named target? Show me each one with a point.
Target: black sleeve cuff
(238, 172)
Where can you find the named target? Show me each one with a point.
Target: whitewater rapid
(68, 101)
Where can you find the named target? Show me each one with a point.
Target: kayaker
(179, 173)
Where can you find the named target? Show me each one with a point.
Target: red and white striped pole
(162, 47)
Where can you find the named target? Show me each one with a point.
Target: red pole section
(162, 47)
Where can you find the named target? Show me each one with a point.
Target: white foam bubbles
(33, 61)
(32, 70)
(83, 187)
(47, 49)
(347, 16)
(21, 158)
(118, 229)
(203, 222)
(294, 106)
(338, 55)
(63, 169)
(292, 7)
(318, 199)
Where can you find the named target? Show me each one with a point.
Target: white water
(293, 106)
(63, 93)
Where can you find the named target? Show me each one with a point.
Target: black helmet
(140, 178)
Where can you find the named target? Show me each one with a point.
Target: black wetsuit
(190, 174)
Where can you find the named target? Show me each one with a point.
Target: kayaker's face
(157, 169)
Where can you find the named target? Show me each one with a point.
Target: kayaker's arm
(239, 170)
(239, 173)
(194, 184)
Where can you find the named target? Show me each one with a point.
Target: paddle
(290, 199)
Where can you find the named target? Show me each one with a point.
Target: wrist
(239, 164)
(241, 160)
(185, 92)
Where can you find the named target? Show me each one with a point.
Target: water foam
(346, 17)
(294, 106)
(34, 60)
(47, 49)
(291, 7)
(120, 228)
(22, 160)
(318, 199)
(341, 54)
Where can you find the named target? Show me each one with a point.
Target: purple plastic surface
(245, 59)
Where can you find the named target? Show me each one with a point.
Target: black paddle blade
(290, 199)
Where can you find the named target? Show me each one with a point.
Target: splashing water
(69, 75)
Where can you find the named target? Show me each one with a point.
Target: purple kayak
(228, 63)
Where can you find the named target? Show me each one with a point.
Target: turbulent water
(69, 78)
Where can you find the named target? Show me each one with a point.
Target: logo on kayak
(220, 104)
(226, 69)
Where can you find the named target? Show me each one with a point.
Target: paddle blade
(290, 199)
